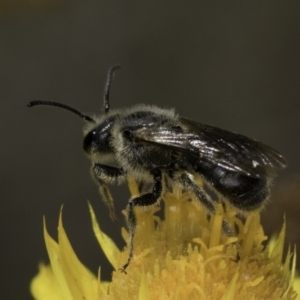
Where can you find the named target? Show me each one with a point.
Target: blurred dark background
(232, 64)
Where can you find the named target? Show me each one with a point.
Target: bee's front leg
(103, 174)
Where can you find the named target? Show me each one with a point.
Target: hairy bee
(149, 143)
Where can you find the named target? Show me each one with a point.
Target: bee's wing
(226, 149)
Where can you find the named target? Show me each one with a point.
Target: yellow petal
(276, 249)
(54, 256)
(73, 278)
(108, 246)
(143, 290)
(297, 287)
(44, 285)
(82, 283)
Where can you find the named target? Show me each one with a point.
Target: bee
(150, 143)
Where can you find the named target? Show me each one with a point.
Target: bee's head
(97, 139)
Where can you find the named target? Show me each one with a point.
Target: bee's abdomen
(244, 192)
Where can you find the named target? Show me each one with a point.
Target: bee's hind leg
(205, 199)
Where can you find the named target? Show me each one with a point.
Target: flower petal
(44, 285)
(73, 278)
(82, 283)
(108, 246)
(54, 256)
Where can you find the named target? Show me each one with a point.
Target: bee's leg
(167, 184)
(140, 186)
(205, 199)
(143, 200)
(106, 174)
(200, 193)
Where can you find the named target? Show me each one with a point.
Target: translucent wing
(226, 149)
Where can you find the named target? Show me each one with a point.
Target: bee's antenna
(51, 103)
(107, 86)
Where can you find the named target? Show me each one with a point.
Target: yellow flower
(184, 256)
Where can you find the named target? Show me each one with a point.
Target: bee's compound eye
(87, 142)
(127, 134)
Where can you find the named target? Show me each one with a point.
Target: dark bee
(151, 143)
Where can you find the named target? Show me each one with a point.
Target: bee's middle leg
(143, 200)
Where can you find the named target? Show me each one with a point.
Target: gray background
(232, 64)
